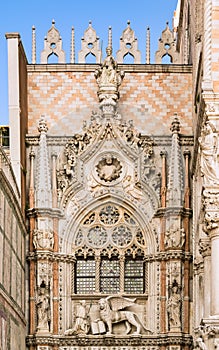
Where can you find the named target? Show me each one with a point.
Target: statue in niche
(173, 307)
(43, 309)
(113, 310)
(82, 321)
(209, 154)
(43, 239)
(109, 168)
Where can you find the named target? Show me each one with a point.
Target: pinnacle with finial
(175, 127)
(109, 49)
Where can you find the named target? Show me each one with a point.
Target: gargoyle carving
(112, 310)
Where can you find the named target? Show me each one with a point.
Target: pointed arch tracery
(109, 242)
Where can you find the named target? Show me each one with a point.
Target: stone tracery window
(109, 247)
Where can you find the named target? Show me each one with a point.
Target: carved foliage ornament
(211, 207)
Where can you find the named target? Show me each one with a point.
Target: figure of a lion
(112, 311)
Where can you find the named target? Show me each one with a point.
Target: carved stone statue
(112, 310)
(209, 154)
(199, 344)
(108, 79)
(108, 73)
(43, 310)
(82, 323)
(173, 308)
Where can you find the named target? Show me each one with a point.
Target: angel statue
(113, 310)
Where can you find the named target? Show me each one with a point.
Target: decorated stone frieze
(211, 209)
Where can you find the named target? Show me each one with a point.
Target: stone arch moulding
(71, 229)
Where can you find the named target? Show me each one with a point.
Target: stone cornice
(50, 212)
(173, 211)
(133, 68)
(33, 140)
(50, 256)
(113, 340)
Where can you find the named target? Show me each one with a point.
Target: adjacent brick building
(116, 168)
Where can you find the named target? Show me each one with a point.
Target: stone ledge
(135, 68)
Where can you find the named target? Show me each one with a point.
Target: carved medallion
(109, 169)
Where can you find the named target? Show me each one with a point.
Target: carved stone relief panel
(43, 240)
(110, 315)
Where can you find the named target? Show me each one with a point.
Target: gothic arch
(124, 206)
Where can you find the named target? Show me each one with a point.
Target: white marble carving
(209, 154)
(82, 322)
(173, 309)
(199, 344)
(43, 310)
(175, 238)
(113, 309)
(43, 239)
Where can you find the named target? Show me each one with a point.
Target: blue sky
(20, 15)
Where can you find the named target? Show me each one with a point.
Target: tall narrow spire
(148, 46)
(72, 59)
(109, 47)
(33, 45)
(43, 183)
(174, 192)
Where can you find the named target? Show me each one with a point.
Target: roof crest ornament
(128, 46)
(90, 45)
(109, 78)
(52, 45)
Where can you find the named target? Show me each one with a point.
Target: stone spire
(174, 188)
(43, 183)
(33, 45)
(72, 54)
(110, 47)
(108, 78)
(148, 46)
